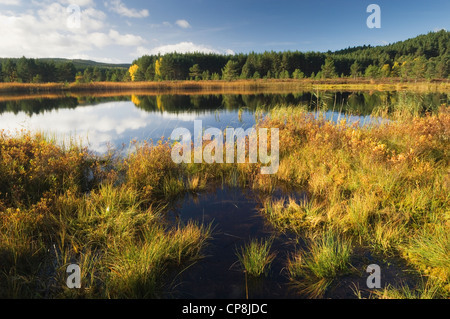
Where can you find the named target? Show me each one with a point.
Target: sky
(120, 31)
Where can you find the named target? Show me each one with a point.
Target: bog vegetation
(382, 189)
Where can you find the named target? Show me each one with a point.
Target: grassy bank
(384, 189)
(275, 86)
(58, 206)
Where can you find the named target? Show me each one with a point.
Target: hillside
(78, 63)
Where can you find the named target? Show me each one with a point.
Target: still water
(114, 121)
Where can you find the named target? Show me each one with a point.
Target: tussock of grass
(150, 171)
(430, 250)
(138, 268)
(32, 166)
(327, 257)
(428, 288)
(292, 216)
(255, 257)
(195, 184)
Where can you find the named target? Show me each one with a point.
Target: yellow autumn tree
(395, 69)
(133, 70)
(158, 67)
(386, 70)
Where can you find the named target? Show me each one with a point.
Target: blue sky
(122, 30)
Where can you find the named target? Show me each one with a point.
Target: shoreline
(241, 86)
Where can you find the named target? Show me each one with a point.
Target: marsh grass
(115, 234)
(327, 257)
(138, 269)
(193, 184)
(384, 187)
(426, 288)
(430, 250)
(291, 216)
(255, 257)
(285, 85)
(135, 246)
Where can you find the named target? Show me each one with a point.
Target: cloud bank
(84, 29)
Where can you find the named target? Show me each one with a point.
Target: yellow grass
(241, 86)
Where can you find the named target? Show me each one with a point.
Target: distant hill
(433, 44)
(80, 64)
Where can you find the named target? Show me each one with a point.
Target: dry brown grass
(241, 86)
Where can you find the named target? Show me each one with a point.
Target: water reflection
(116, 120)
(115, 123)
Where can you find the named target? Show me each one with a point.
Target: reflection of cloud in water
(182, 116)
(117, 123)
(96, 126)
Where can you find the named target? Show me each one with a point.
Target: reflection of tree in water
(178, 103)
(41, 105)
(355, 103)
(37, 106)
(159, 103)
(136, 101)
(416, 104)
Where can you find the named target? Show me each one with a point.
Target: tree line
(423, 57)
(426, 56)
(27, 70)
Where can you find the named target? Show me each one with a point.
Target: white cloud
(183, 24)
(10, 2)
(99, 125)
(182, 47)
(119, 7)
(45, 32)
(125, 39)
(81, 3)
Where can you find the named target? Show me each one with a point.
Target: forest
(423, 57)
